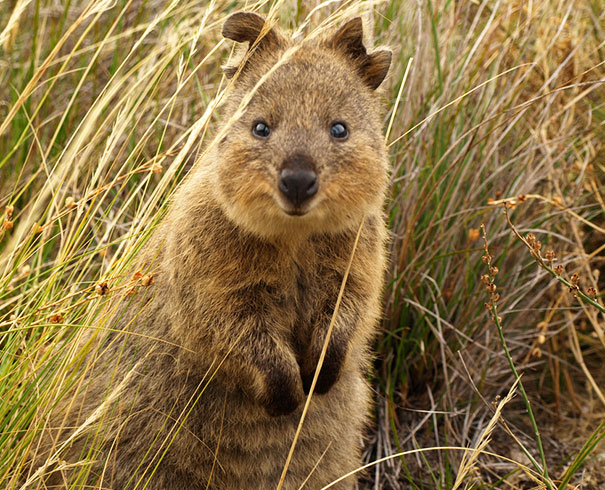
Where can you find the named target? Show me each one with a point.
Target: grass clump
(105, 105)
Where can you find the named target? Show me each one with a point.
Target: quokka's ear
(372, 67)
(247, 27)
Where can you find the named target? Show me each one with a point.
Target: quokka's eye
(261, 130)
(339, 131)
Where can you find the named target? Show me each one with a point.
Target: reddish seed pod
(473, 234)
(102, 288)
(56, 318)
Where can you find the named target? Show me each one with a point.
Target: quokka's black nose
(298, 184)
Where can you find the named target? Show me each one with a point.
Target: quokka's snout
(298, 181)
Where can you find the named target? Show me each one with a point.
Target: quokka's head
(303, 149)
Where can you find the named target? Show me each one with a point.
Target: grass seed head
(8, 225)
(550, 256)
(574, 279)
(24, 271)
(102, 288)
(56, 318)
(147, 280)
(473, 234)
(558, 201)
(9, 211)
(70, 202)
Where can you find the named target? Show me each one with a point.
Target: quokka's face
(307, 151)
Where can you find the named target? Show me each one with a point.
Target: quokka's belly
(254, 446)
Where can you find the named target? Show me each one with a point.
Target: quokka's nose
(298, 184)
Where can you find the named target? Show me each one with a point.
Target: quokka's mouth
(295, 212)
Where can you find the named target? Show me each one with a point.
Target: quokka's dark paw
(329, 374)
(327, 377)
(284, 395)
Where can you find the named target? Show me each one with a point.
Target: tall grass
(105, 105)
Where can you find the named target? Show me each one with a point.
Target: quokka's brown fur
(245, 284)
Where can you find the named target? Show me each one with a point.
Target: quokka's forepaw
(329, 374)
(327, 377)
(284, 395)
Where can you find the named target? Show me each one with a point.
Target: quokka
(247, 267)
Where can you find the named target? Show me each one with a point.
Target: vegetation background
(104, 105)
